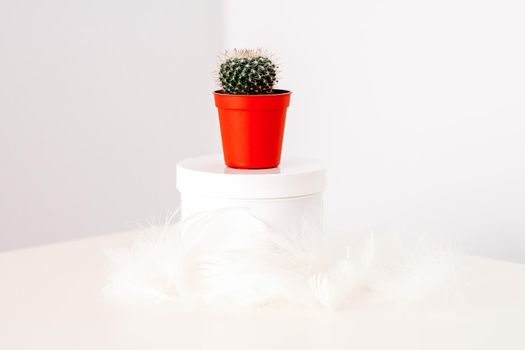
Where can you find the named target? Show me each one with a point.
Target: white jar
(287, 198)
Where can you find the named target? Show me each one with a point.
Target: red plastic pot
(252, 128)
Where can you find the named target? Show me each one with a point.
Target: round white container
(288, 198)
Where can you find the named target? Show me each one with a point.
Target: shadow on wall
(98, 101)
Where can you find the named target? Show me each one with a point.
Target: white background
(418, 107)
(98, 101)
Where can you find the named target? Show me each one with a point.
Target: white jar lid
(209, 176)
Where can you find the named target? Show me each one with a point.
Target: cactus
(247, 72)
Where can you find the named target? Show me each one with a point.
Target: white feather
(231, 257)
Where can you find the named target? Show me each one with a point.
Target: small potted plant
(252, 113)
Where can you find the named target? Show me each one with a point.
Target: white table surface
(50, 299)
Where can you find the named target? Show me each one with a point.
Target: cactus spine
(247, 72)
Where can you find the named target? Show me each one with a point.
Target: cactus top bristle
(247, 72)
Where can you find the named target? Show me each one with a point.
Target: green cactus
(247, 72)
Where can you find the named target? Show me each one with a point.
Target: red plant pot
(252, 128)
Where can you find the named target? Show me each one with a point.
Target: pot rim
(279, 93)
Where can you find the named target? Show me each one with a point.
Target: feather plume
(231, 257)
